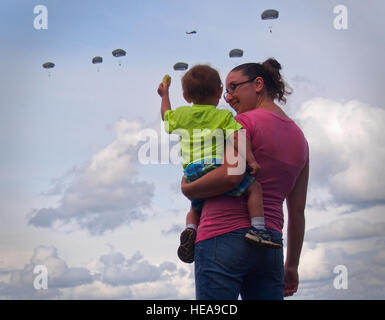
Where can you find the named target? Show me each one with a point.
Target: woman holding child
(226, 265)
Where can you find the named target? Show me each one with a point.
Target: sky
(77, 194)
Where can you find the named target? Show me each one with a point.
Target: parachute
(180, 66)
(119, 53)
(97, 60)
(236, 53)
(48, 66)
(269, 15)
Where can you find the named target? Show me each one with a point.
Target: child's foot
(261, 238)
(187, 245)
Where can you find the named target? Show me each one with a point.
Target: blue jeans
(228, 265)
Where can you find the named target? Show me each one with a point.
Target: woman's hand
(254, 167)
(291, 281)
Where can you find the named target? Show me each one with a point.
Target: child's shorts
(198, 169)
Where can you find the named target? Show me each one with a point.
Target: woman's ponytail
(277, 88)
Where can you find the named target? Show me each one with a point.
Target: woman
(225, 264)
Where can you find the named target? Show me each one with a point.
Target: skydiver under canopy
(269, 15)
(97, 60)
(119, 53)
(48, 66)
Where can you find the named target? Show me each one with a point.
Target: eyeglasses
(234, 86)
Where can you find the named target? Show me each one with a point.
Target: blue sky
(73, 195)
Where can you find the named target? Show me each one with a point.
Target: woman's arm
(215, 182)
(296, 203)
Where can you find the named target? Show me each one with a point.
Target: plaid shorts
(198, 169)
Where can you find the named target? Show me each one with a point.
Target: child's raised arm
(163, 92)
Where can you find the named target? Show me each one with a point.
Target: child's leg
(187, 237)
(192, 218)
(258, 233)
(255, 205)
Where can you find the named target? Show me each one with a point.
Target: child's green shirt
(203, 130)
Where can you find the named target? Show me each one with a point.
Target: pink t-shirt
(281, 150)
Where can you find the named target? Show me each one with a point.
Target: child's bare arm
(246, 152)
(165, 105)
(163, 92)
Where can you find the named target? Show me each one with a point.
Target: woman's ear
(259, 84)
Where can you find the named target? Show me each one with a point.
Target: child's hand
(254, 167)
(163, 90)
(165, 84)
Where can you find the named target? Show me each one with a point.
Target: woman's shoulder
(263, 115)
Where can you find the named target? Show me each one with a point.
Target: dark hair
(269, 72)
(200, 83)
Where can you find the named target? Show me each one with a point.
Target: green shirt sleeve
(169, 121)
(230, 124)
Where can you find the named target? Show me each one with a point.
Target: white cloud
(98, 291)
(113, 277)
(346, 229)
(347, 149)
(104, 194)
(365, 273)
(155, 290)
(313, 264)
(118, 271)
(380, 258)
(174, 229)
(21, 282)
